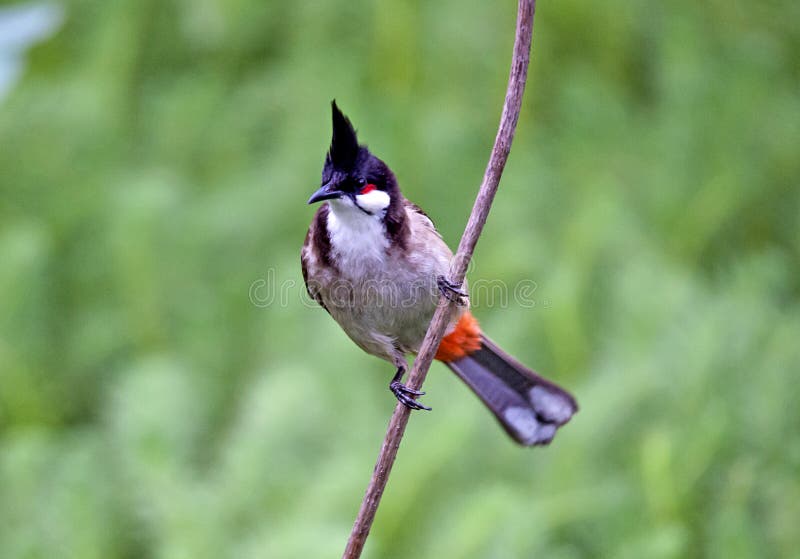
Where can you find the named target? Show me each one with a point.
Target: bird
(376, 263)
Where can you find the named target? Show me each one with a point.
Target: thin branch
(458, 269)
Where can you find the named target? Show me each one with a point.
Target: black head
(350, 169)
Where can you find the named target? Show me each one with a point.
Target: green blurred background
(155, 160)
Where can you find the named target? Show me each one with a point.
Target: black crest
(344, 144)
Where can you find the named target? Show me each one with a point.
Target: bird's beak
(327, 191)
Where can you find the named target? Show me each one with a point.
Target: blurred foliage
(155, 160)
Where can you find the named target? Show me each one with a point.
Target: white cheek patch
(374, 202)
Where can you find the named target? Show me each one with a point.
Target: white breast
(394, 290)
(358, 239)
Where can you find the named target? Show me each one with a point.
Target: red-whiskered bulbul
(376, 263)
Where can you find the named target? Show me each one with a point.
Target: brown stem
(458, 269)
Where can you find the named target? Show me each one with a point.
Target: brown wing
(411, 206)
(318, 243)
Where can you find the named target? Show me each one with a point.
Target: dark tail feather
(528, 407)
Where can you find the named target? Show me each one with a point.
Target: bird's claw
(453, 291)
(405, 395)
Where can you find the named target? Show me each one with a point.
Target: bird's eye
(367, 188)
(361, 181)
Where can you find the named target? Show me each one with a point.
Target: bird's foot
(404, 394)
(453, 291)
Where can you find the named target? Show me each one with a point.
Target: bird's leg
(453, 291)
(404, 394)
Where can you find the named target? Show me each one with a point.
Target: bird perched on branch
(376, 263)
